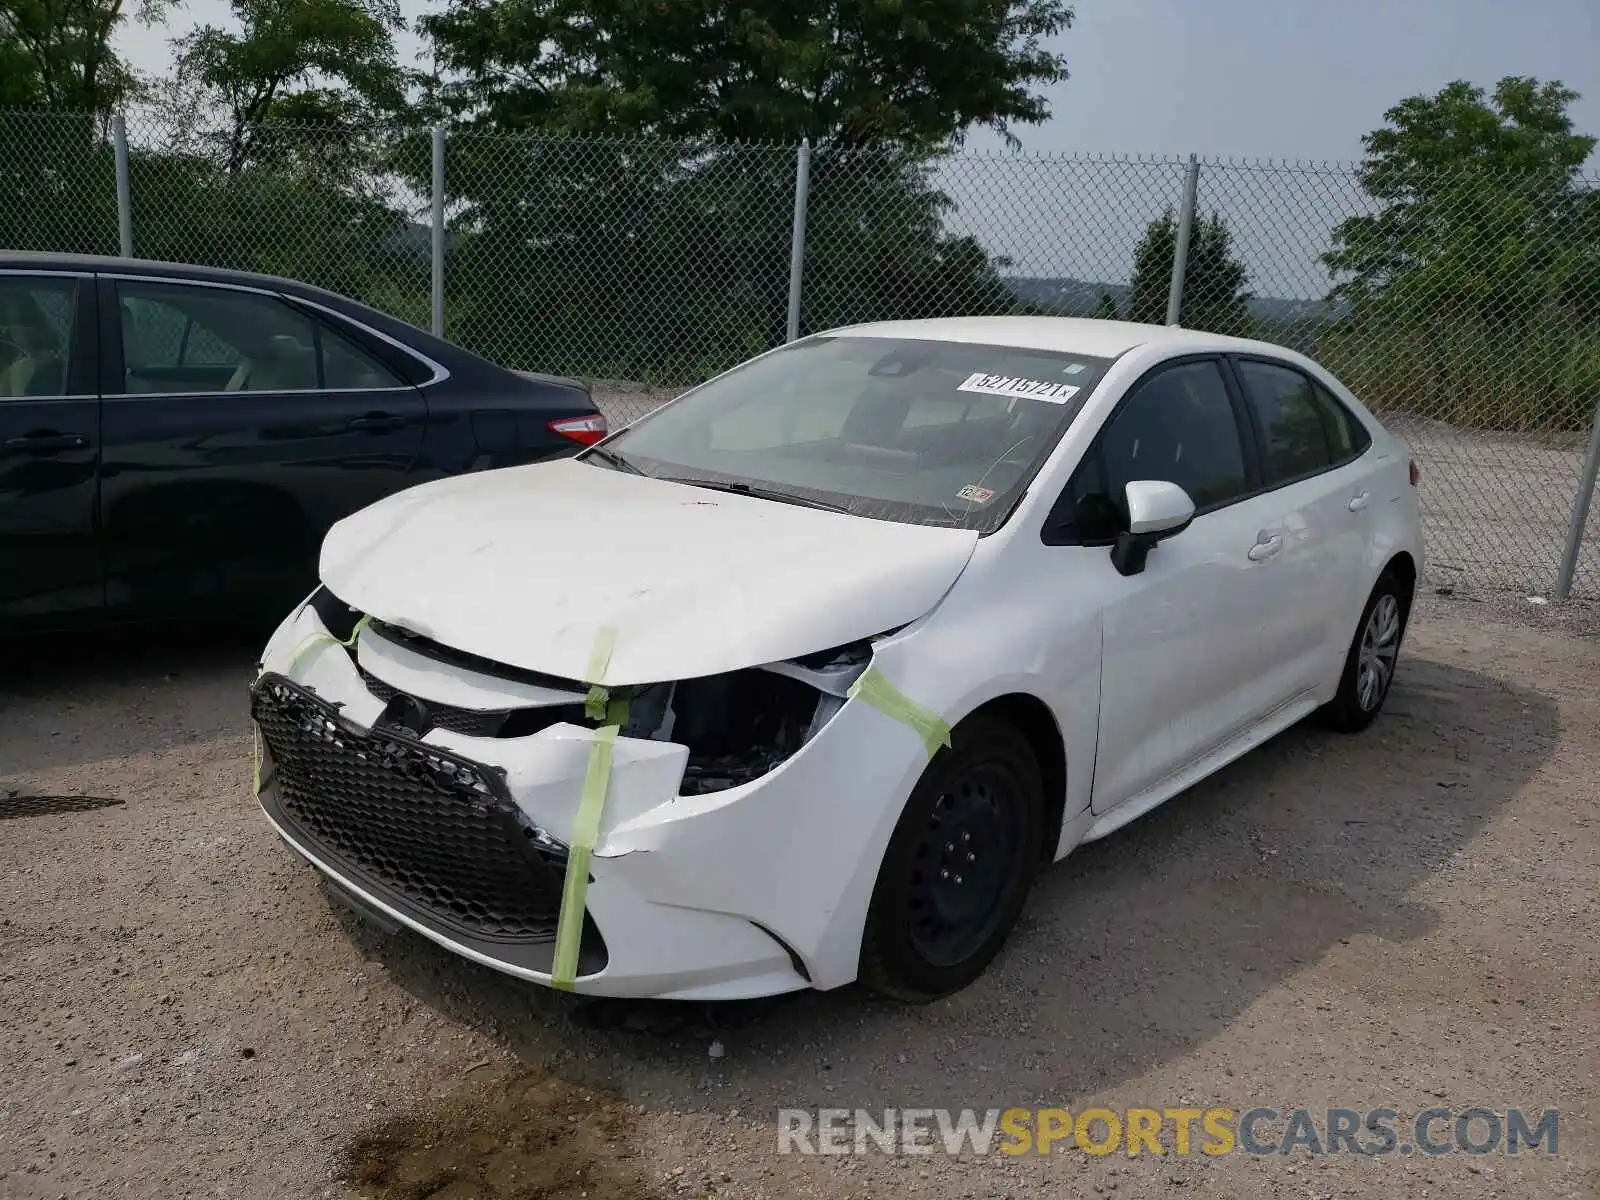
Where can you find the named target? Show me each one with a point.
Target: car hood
(525, 566)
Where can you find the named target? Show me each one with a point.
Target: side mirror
(1157, 510)
(1158, 507)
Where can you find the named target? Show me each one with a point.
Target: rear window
(1304, 430)
(919, 431)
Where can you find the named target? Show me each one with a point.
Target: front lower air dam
(434, 835)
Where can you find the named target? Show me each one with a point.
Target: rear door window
(37, 314)
(1304, 430)
(179, 338)
(347, 365)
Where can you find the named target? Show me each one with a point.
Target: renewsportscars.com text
(1182, 1131)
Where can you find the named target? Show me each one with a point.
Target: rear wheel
(958, 867)
(1370, 664)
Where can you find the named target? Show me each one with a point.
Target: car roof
(48, 260)
(1073, 335)
(462, 363)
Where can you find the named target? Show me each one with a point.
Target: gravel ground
(1407, 917)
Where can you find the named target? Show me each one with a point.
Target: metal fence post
(1180, 252)
(437, 308)
(1580, 510)
(797, 241)
(119, 142)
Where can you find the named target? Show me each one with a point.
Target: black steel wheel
(959, 865)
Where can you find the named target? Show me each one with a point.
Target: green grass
(1543, 377)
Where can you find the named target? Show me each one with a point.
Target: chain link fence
(1463, 307)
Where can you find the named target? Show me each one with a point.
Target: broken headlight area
(337, 617)
(737, 726)
(740, 725)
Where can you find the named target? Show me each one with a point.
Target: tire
(941, 912)
(1374, 654)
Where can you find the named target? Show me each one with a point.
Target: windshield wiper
(760, 493)
(614, 459)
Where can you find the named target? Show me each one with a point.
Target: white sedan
(802, 678)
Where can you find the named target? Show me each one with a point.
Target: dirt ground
(1406, 917)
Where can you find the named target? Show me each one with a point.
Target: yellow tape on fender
(594, 704)
(311, 642)
(874, 688)
(597, 706)
(316, 640)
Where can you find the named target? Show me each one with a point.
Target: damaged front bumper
(743, 823)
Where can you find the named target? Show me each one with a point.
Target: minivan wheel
(958, 867)
(1373, 656)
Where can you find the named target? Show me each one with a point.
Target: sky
(1240, 79)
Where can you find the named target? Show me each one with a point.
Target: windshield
(917, 431)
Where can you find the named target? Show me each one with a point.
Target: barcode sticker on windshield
(1012, 385)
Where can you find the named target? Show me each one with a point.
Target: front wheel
(1370, 664)
(958, 867)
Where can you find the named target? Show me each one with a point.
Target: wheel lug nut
(958, 879)
(972, 858)
(949, 846)
(946, 875)
(966, 837)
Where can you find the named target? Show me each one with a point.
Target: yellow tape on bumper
(255, 772)
(597, 706)
(874, 688)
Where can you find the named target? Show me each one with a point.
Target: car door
(49, 447)
(237, 428)
(1319, 490)
(1184, 664)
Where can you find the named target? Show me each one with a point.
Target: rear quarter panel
(480, 415)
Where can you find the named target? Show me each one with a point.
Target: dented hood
(526, 565)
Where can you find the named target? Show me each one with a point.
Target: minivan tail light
(1416, 473)
(587, 430)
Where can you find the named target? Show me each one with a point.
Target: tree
(56, 58)
(912, 73)
(1475, 286)
(1463, 178)
(1106, 308)
(20, 85)
(57, 53)
(647, 236)
(1214, 298)
(327, 63)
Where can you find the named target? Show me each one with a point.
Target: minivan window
(919, 431)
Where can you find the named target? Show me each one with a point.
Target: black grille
(469, 721)
(417, 823)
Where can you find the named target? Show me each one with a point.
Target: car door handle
(1358, 502)
(377, 422)
(1266, 547)
(45, 443)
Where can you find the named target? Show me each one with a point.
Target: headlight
(337, 617)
